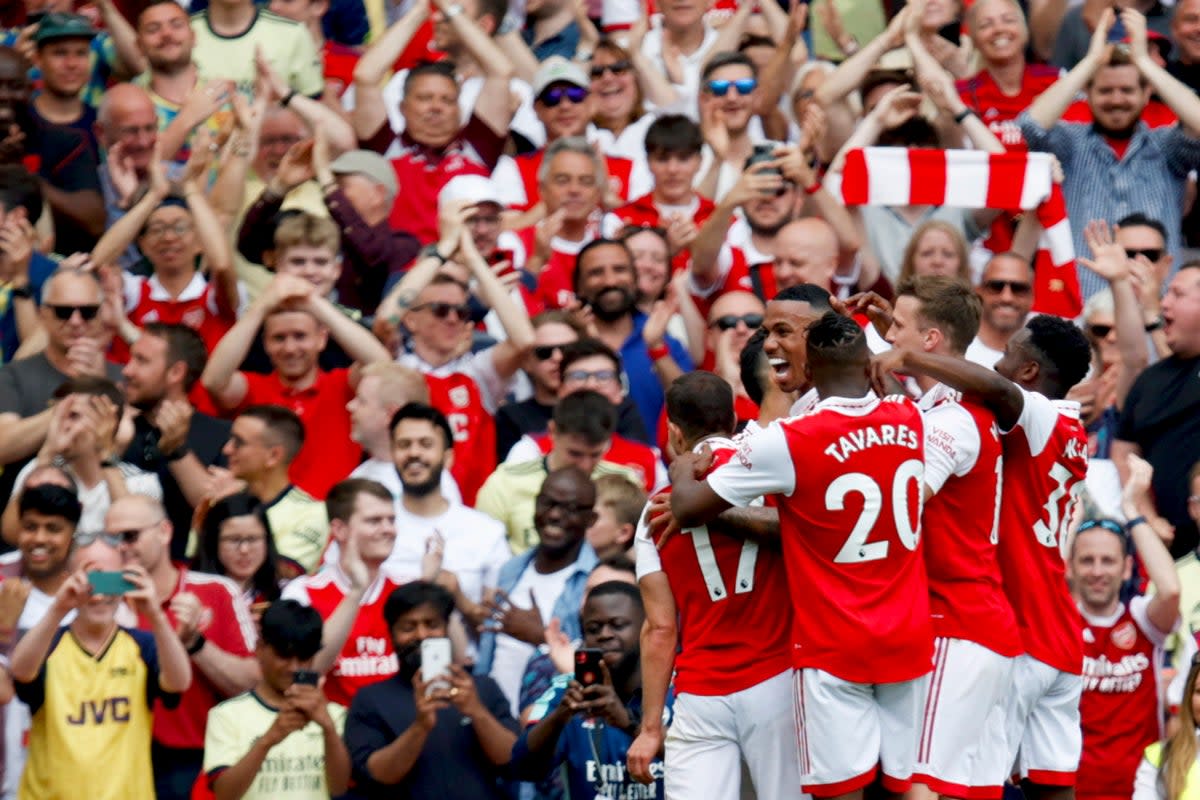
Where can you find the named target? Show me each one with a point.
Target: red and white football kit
(644, 211)
(999, 110)
(740, 267)
(851, 474)
(367, 656)
(458, 397)
(1121, 709)
(1045, 462)
(733, 676)
(556, 281)
(517, 178)
(962, 751)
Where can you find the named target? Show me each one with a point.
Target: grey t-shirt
(27, 386)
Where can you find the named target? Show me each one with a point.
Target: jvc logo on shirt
(113, 709)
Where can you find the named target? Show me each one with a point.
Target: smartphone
(306, 677)
(435, 662)
(110, 583)
(1117, 32)
(587, 666)
(763, 152)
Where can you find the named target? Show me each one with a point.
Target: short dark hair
(282, 424)
(241, 504)
(1061, 349)
(585, 413)
(619, 562)
(20, 189)
(673, 134)
(816, 296)
(619, 588)
(415, 594)
(727, 58)
(947, 303)
(1140, 220)
(291, 629)
(51, 501)
(589, 247)
(444, 69)
(750, 366)
(183, 344)
(95, 386)
(837, 341)
(1103, 524)
(586, 348)
(340, 502)
(701, 404)
(426, 412)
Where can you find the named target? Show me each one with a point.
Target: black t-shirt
(1162, 417)
(66, 162)
(452, 764)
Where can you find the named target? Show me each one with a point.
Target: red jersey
(738, 270)
(338, 61)
(328, 454)
(644, 211)
(963, 459)
(197, 307)
(368, 656)
(1120, 707)
(474, 428)
(556, 281)
(226, 623)
(732, 601)
(850, 474)
(1045, 462)
(528, 164)
(641, 458)
(1000, 110)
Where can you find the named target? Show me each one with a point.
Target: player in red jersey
(1121, 709)
(733, 677)
(962, 749)
(1045, 461)
(853, 464)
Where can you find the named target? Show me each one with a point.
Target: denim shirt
(566, 608)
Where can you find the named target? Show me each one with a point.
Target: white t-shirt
(692, 64)
(96, 500)
(380, 471)
(979, 353)
(512, 655)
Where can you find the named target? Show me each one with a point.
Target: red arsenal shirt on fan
(733, 606)
(226, 623)
(740, 267)
(644, 211)
(556, 281)
(961, 523)
(457, 397)
(1045, 462)
(517, 178)
(850, 474)
(999, 110)
(368, 655)
(1120, 709)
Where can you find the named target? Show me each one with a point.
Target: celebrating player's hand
(696, 465)
(882, 367)
(660, 521)
(877, 309)
(645, 748)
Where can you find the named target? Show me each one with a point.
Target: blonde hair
(305, 230)
(914, 241)
(1179, 751)
(623, 496)
(398, 384)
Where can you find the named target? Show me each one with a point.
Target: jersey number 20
(857, 548)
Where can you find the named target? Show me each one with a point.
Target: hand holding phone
(110, 583)
(306, 677)
(435, 663)
(587, 667)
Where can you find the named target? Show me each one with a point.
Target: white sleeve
(1145, 782)
(146, 483)
(507, 179)
(1038, 418)
(393, 93)
(724, 264)
(951, 444)
(1137, 609)
(661, 478)
(525, 449)
(611, 225)
(296, 590)
(645, 550)
(762, 465)
(497, 558)
(492, 388)
(131, 287)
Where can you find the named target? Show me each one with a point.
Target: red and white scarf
(897, 176)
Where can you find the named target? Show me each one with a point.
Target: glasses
(730, 321)
(546, 503)
(130, 536)
(721, 88)
(583, 376)
(1152, 254)
(544, 352)
(179, 229)
(239, 542)
(552, 97)
(443, 310)
(617, 68)
(64, 313)
(1016, 287)
(1100, 331)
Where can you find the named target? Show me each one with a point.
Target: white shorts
(846, 730)
(710, 735)
(963, 751)
(1044, 737)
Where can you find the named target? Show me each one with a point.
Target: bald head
(127, 118)
(806, 251)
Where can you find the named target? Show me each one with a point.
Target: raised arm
(693, 502)
(213, 237)
(314, 113)
(1051, 104)
(370, 112)
(493, 105)
(998, 393)
(30, 653)
(122, 233)
(850, 73)
(130, 61)
(655, 85)
(507, 355)
(229, 190)
(1163, 608)
(1176, 94)
(358, 342)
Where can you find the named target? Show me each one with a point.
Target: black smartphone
(587, 666)
(306, 677)
(763, 152)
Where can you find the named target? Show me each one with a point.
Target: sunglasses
(64, 313)
(617, 68)
(1100, 331)
(544, 352)
(552, 97)
(721, 88)
(730, 321)
(1151, 253)
(1016, 287)
(124, 537)
(443, 310)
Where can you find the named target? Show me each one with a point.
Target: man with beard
(1117, 163)
(171, 438)
(588, 729)
(606, 282)
(410, 738)
(1006, 289)
(59, 156)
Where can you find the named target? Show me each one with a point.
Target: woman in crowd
(236, 542)
(936, 248)
(1171, 769)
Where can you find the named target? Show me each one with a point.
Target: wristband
(962, 115)
(453, 11)
(1150, 327)
(811, 190)
(23, 293)
(1133, 523)
(659, 351)
(197, 645)
(176, 454)
(287, 98)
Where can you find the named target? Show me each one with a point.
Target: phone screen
(305, 677)
(110, 583)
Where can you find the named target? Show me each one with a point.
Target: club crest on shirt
(1124, 635)
(460, 396)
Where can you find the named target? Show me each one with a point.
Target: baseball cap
(557, 69)
(57, 25)
(368, 164)
(477, 188)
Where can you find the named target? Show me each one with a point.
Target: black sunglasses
(1100, 331)
(544, 352)
(616, 68)
(730, 321)
(552, 97)
(444, 310)
(1152, 254)
(1016, 287)
(64, 313)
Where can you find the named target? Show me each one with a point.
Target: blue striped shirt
(1150, 179)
